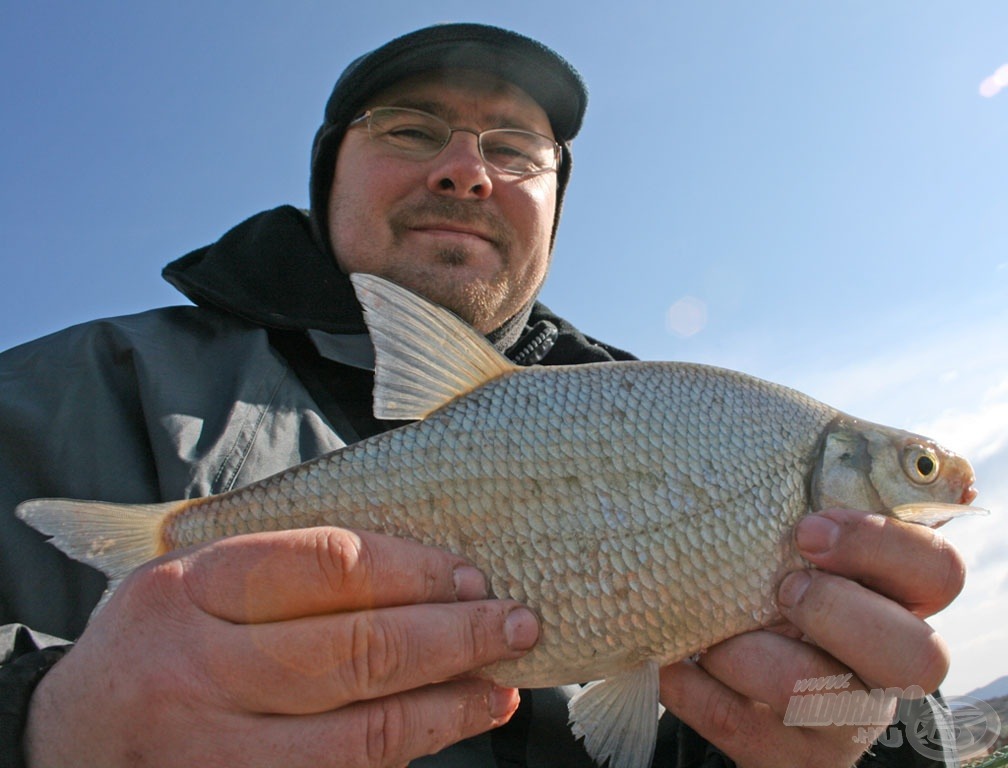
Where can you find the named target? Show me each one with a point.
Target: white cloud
(995, 83)
(953, 388)
(978, 432)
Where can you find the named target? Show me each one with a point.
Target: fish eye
(920, 464)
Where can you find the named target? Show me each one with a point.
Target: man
(441, 163)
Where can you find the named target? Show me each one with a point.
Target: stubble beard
(484, 301)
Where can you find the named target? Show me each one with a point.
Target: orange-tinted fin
(114, 538)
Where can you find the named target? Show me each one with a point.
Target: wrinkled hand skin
(312, 647)
(861, 612)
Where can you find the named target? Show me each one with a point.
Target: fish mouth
(968, 495)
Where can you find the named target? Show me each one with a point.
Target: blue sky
(811, 192)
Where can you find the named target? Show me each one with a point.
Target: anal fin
(618, 717)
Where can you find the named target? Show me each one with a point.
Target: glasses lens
(423, 135)
(409, 130)
(518, 151)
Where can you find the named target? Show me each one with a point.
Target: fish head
(875, 468)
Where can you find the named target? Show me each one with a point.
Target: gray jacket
(269, 370)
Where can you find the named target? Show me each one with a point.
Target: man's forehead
(454, 93)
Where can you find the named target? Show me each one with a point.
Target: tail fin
(114, 538)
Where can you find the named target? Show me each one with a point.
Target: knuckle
(723, 713)
(164, 588)
(386, 732)
(822, 600)
(378, 649)
(342, 558)
(475, 642)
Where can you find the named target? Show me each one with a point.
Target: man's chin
(466, 291)
(478, 302)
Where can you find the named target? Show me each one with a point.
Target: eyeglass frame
(557, 149)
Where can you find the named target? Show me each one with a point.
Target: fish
(643, 509)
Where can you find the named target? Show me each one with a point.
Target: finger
(386, 732)
(393, 731)
(289, 574)
(740, 694)
(769, 667)
(325, 662)
(749, 732)
(884, 643)
(911, 564)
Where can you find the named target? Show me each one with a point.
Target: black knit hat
(544, 75)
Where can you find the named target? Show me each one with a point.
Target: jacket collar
(269, 271)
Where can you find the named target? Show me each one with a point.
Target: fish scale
(644, 510)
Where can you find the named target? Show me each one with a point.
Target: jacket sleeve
(167, 404)
(68, 428)
(56, 429)
(25, 656)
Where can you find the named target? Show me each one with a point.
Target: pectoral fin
(618, 717)
(932, 513)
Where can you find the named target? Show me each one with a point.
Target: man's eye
(412, 134)
(509, 153)
(506, 150)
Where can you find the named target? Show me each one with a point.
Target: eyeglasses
(422, 136)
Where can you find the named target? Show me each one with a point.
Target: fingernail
(470, 584)
(816, 534)
(502, 702)
(521, 629)
(792, 589)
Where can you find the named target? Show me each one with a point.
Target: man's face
(451, 228)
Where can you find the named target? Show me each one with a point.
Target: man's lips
(453, 220)
(452, 228)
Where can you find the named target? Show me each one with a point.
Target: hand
(310, 647)
(862, 614)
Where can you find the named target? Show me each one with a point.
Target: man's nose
(459, 170)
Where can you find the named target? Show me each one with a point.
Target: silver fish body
(638, 525)
(644, 510)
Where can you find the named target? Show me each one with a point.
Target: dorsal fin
(425, 356)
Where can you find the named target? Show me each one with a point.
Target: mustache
(466, 214)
